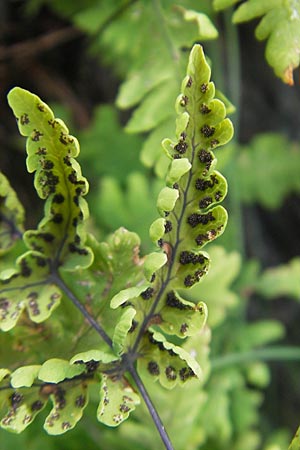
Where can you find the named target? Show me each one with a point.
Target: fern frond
(151, 58)
(283, 280)
(25, 392)
(58, 243)
(222, 4)
(216, 285)
(191, 217)
(58, 179)
(283, 159)
(125, 206)
(136, 299)
(295, 444)
(11, 216)
(279, 25)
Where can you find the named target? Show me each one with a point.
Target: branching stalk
(195, 105)
(61, 284)
(151, 408)
(168, 277)
(13, 229)
(26, 286)
(153, 412)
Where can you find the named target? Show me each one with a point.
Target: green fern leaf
(154, 108)
(223, 4)
(51, 152)
(58, 243)
(189, 202)
(25, 392)
(67, 408)
(119, 261)
(281, 280)
(228, 392)
(29, 287)
(280, 25)
(115, 276)
(181, 317)
(24, 376)
(190, 218)
(122, 329)
(216, 286)
(25, 405)
(157, 79)
(154, 261)
(283, 162)
(260, 333)
(18, 407)
(136, 87)
(56, 370)
(117, 400)
(136, 298)
(118, 206)
(127, 294)
(106, 132)
(93, 355)
(295, 444)
(168, 363)
(206, 29)
(137, 23)
(11, 216)
(179, 408)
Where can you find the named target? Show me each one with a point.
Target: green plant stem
(140, 385)
(168, 277)
(153, 412)
(129, 365)
(61, 284)
(82, 377)
(26, 286)
(279, 353)
(13, 230)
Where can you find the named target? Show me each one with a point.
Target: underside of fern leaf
(51, 155)
(190, 218)
(58, 242)
(141, 301)
(11, 216)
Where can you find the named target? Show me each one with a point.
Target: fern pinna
(136, 305)
(278, 25)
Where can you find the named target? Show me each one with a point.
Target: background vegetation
(112, 69)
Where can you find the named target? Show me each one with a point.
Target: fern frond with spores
(131, 303)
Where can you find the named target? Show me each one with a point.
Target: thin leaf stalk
(168, 277)
(14, 230)
(151, 408)
(97, 327)
(129, 365)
